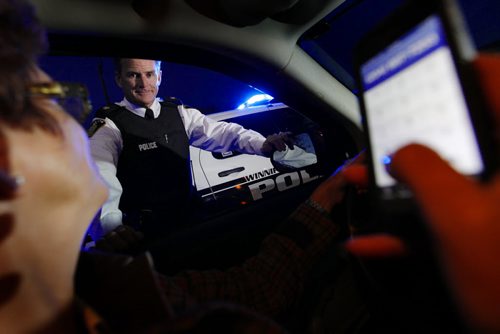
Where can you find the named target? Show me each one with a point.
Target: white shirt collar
(138, 110)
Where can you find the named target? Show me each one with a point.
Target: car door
(237, 179)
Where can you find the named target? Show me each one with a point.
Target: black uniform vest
(153, 167)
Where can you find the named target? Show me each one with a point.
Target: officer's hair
(117, 62)
(22, 40)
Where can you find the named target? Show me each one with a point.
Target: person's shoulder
(107, 111)
(185, 111)
(100, 117)
(172, 102)
(96, 124)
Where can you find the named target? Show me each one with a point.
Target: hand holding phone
(416, 86)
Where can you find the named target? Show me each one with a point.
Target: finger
(272, 141)
(357, 175)
(285, 140)
(438, 188)
(358, 159)
(331, 191)
(288, 139)
(128, 234)
(103, 245)
(379, 245)
(278, 143)
(488, 69)
(115, 241)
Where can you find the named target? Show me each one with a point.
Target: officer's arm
(105, 146)
(205, 133)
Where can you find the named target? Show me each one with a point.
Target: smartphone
(416, 85)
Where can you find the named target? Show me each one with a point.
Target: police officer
(141, 148)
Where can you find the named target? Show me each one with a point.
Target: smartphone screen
(412, 94)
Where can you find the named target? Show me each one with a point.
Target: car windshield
(332, 40)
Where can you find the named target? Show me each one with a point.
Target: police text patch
(147, 146)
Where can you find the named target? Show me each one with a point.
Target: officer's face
(139, 80)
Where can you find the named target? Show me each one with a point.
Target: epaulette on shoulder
(97, 123)
(100, 116)
(173, 100)
(106, 111)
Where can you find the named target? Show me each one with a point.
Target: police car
(237, 179)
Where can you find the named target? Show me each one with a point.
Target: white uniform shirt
(106, 145)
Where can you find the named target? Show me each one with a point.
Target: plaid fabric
(269, 282)
(216, 317)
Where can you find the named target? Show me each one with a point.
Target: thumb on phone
(438, 188)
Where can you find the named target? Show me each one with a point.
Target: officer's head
(139, 79)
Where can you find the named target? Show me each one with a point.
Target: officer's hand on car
(123, 239)
(463, 215)
(277, 142)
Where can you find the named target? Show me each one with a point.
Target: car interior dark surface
(217, 53)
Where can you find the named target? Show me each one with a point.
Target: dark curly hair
(22, 40)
